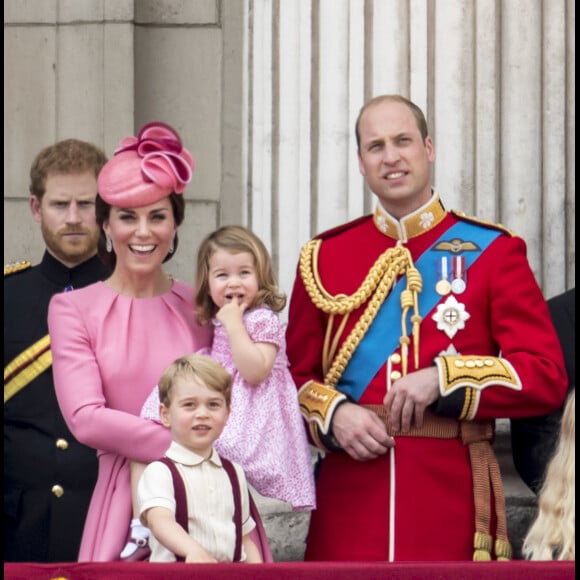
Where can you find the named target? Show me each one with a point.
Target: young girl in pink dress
(236, 293)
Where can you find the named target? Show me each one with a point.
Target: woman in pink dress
(112, 340)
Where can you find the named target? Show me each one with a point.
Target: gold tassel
(503, 551)
(482, 544)
(415, 284)
(406, 303)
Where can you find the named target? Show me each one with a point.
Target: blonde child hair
(552, 535)
(209, 372)
(235, 239)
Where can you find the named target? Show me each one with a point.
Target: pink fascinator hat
(146, 168)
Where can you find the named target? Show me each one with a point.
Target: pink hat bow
(162, 163)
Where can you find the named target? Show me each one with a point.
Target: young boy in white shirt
(195, 394)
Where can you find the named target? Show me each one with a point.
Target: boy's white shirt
(210, 502)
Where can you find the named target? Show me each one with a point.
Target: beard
(71, 250)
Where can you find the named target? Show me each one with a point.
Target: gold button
(57, 490)
(62, 443)
(459, 363)
(395, 375)
(396, 358)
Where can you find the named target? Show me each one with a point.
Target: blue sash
(382, 337)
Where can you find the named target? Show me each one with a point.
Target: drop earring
(172, 246)
(108, 244)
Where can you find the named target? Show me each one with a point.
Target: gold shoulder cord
(376, 285)
(13, 267)
(486, 223)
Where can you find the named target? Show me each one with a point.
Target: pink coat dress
(109, 351)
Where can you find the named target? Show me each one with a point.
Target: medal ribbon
(380, 341)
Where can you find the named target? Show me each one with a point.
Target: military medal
(443, 287)
(458, 284)
(451, 316)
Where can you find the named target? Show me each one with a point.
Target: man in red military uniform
(409, 332)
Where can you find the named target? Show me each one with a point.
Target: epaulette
(484, 223)
(13, 267)
(342, 228)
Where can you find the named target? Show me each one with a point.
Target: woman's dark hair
(103, 210)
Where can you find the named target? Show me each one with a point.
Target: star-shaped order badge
(451, 316)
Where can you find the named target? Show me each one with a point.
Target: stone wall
(265, 94)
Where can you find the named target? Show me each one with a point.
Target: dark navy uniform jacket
(48, 475)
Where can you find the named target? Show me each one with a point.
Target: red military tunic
(417, 501)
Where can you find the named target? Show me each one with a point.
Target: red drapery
(515, 570)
